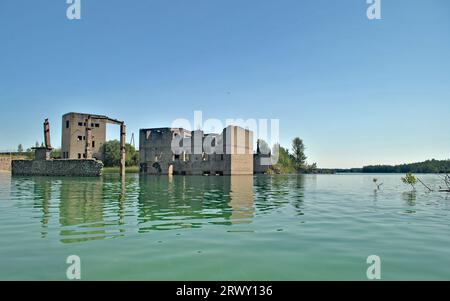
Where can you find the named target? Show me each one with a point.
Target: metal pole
(122, 149)
(47, 134)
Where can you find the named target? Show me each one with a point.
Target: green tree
(56, 153)
(285, 163)
(111, 151)
(410, 179)
(20, 148)
(263, 147)
(299, 157)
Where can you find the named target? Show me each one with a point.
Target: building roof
(95, 116)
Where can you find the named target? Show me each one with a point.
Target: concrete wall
(231, 153)
(76, 168)
(258, 167)
(5, 160)
(5, 163)
(71, 130)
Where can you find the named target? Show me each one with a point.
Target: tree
(410, 179)
(285, 163)
(111, 151)
(56, 153)
(375, 181)
(298, 149)
(311, 168)
(263, 147)
(20, 148)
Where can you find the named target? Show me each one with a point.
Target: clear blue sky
(357, 91)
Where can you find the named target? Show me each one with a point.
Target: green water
(223, 228)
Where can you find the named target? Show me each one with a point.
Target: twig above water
(424, 185)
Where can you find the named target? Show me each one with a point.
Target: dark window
(221, 157)
(79, 138)
(177, 157)
(67, 124)
(84, 156)
(79, 156)
(92, 125)
(93, 143)
(80, 124)
(97, 125)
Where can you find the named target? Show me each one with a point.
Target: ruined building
(44, 165)
(74, 135)
(83, 137)
(176, 151)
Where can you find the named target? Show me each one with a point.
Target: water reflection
(168, 203)
(85, 209)
(410, 197)
(241, 199)
(275, 192)
(81, 210)
(41, 201)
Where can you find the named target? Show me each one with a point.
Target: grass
(128, 169)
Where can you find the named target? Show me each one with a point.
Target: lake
(311, 227)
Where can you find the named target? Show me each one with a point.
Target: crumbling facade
(44, 165)
(262, 160)
(176, 151)
(74, 136)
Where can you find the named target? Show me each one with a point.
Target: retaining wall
(75, 168)
(5, 163)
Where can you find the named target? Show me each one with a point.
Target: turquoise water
(223, 228)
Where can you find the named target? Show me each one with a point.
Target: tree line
(429, 166)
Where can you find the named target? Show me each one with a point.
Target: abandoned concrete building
(176, 151)
(73, 145)
(44, 165)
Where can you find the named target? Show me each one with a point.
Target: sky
(357, 91)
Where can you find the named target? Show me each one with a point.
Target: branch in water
(424, 184)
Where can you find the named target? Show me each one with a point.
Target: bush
(111, 152)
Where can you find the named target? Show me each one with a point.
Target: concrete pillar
(47, 134)
(88, 148)
(122, 148)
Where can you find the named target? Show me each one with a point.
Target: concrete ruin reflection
(169, 203)
(80, 210)
(241, 199)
